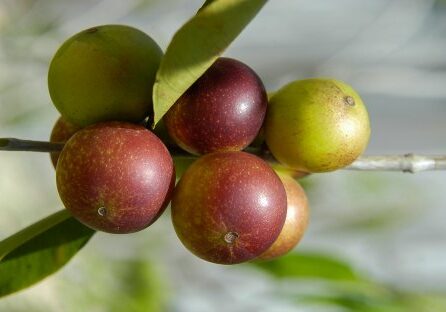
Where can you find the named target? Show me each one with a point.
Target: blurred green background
(376, 241)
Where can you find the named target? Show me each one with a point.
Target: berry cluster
(116, 175)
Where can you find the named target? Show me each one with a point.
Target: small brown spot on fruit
(231, 237)
(91, 30)
(349, 100)
(102, 211)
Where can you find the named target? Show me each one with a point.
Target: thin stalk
(405, 163)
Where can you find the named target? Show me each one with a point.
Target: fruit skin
(222, 111)
(296, 220)
(228, 207)
(104, 73)
(62, 131)
(317, 125)
(115, 177)
(295, 174)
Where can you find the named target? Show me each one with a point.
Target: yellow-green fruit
(104, 73)
(316, 125)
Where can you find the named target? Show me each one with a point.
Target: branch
(11, 144)
(405, 163)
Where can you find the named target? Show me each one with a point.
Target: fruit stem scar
(349, 100)
(231, 237)
(102, 211)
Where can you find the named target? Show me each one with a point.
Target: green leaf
(205, 4)
(196, 45)
(140, 288)
(358, 302)
(307, 265)
(109, 284)
(373, 297)
(182, 163)
(40, 250)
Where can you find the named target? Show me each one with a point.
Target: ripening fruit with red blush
(296, 220)
(62, 131)
(222, 111)
(228, 207)
(115, 177)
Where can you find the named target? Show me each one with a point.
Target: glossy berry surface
(115, 177)
(317, 125)
(296, 221)
(222, 111)
(229, 207)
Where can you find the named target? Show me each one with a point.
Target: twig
(405, 163)
(11, 144)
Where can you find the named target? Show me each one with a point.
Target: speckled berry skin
(228, 207)
(115, 177)
(222, 111)
(316, 125)
(62, 131)
(296, 220)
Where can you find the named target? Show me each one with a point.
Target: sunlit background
(388, 230)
